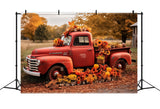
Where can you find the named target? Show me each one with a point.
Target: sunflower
(105, 43)
(107, 52)
(99, 43)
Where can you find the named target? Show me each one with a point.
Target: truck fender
(46, 62)
(120, 55)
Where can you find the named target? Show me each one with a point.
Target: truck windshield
(66, 40)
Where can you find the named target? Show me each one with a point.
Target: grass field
(27, 47)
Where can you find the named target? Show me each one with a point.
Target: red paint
(120, 55)
(75, 56)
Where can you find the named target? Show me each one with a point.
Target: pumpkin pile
(98, 73)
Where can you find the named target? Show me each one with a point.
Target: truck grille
(32, 64)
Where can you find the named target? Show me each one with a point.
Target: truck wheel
(54, 71)
(121, 64)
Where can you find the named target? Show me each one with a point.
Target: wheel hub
(55, 73)
(120, 66)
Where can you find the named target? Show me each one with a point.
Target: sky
(57, 19)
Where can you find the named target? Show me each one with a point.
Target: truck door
(82, 52)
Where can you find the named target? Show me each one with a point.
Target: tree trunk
(124, 35)
(41, 41)
(33, 38)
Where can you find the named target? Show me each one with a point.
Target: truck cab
(78, 51)
(82, 50)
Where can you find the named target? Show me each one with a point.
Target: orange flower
(105, 43)
(96, 66)
(88, 29)
(71, 24)
(99, 42)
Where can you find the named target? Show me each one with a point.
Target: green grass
(134, 53)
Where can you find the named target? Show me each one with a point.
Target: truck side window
(81, 40)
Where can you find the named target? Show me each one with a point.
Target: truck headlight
(38, 62)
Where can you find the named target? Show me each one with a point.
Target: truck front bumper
(31, 73)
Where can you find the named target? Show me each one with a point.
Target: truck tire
(121, 64)
(53, 71)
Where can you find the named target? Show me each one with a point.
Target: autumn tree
(108, 24)
(42, 33)
(121, 27)
(29, 23)
(98, 23)
(56, 31)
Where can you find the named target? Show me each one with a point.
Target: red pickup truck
(78, 52)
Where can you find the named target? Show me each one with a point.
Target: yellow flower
(55, 41)
(100, 57)
(96, 66)
(109, 69)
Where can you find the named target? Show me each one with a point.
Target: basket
(100, 59)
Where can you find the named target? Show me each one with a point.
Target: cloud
(57, 19)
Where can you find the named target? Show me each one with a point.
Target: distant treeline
(104, 25)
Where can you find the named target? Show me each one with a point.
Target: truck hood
(50, 51)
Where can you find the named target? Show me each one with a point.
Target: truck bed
(124, 49)
(113, 50)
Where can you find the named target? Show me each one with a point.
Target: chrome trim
(56, 53)
(31, 73)
(32, 64)
(31, 59)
